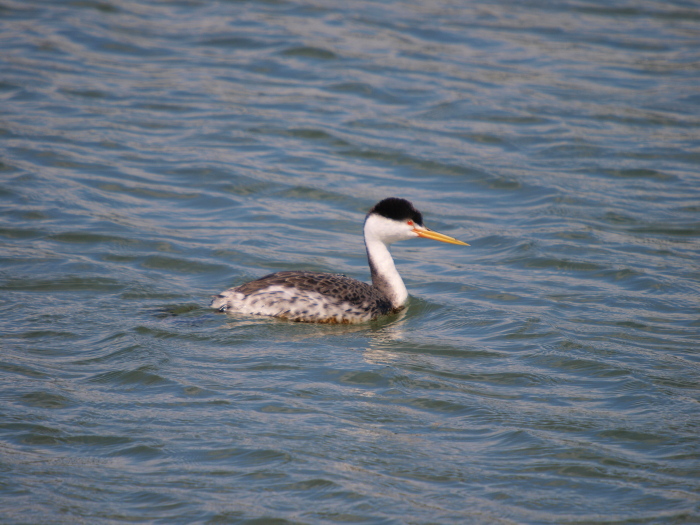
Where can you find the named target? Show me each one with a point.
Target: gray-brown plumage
(315, 296)
(334, 298)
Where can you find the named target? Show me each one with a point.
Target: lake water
(156, 153)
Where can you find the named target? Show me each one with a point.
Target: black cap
(397, 210)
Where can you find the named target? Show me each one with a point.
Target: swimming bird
(316, 297)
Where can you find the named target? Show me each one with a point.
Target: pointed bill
(430, 234)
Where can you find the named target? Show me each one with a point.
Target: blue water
(156, 153)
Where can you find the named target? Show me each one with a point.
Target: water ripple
(155, 154)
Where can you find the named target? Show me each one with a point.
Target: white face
(389, 231)
(378, 228)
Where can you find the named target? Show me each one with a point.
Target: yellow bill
(430, 234)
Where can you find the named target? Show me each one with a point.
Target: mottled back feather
(345, 299)
(335, 285)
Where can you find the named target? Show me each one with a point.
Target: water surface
(156, 153)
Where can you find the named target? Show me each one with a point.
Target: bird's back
(306, 296)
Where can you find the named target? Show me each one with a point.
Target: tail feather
(221, 302)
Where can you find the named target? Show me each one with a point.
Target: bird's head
(394, 219)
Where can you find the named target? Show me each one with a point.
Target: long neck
(384, 275)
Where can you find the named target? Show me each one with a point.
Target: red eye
(410, 223)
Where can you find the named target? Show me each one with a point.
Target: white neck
(385, 277)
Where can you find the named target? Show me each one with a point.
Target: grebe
(315, 297)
